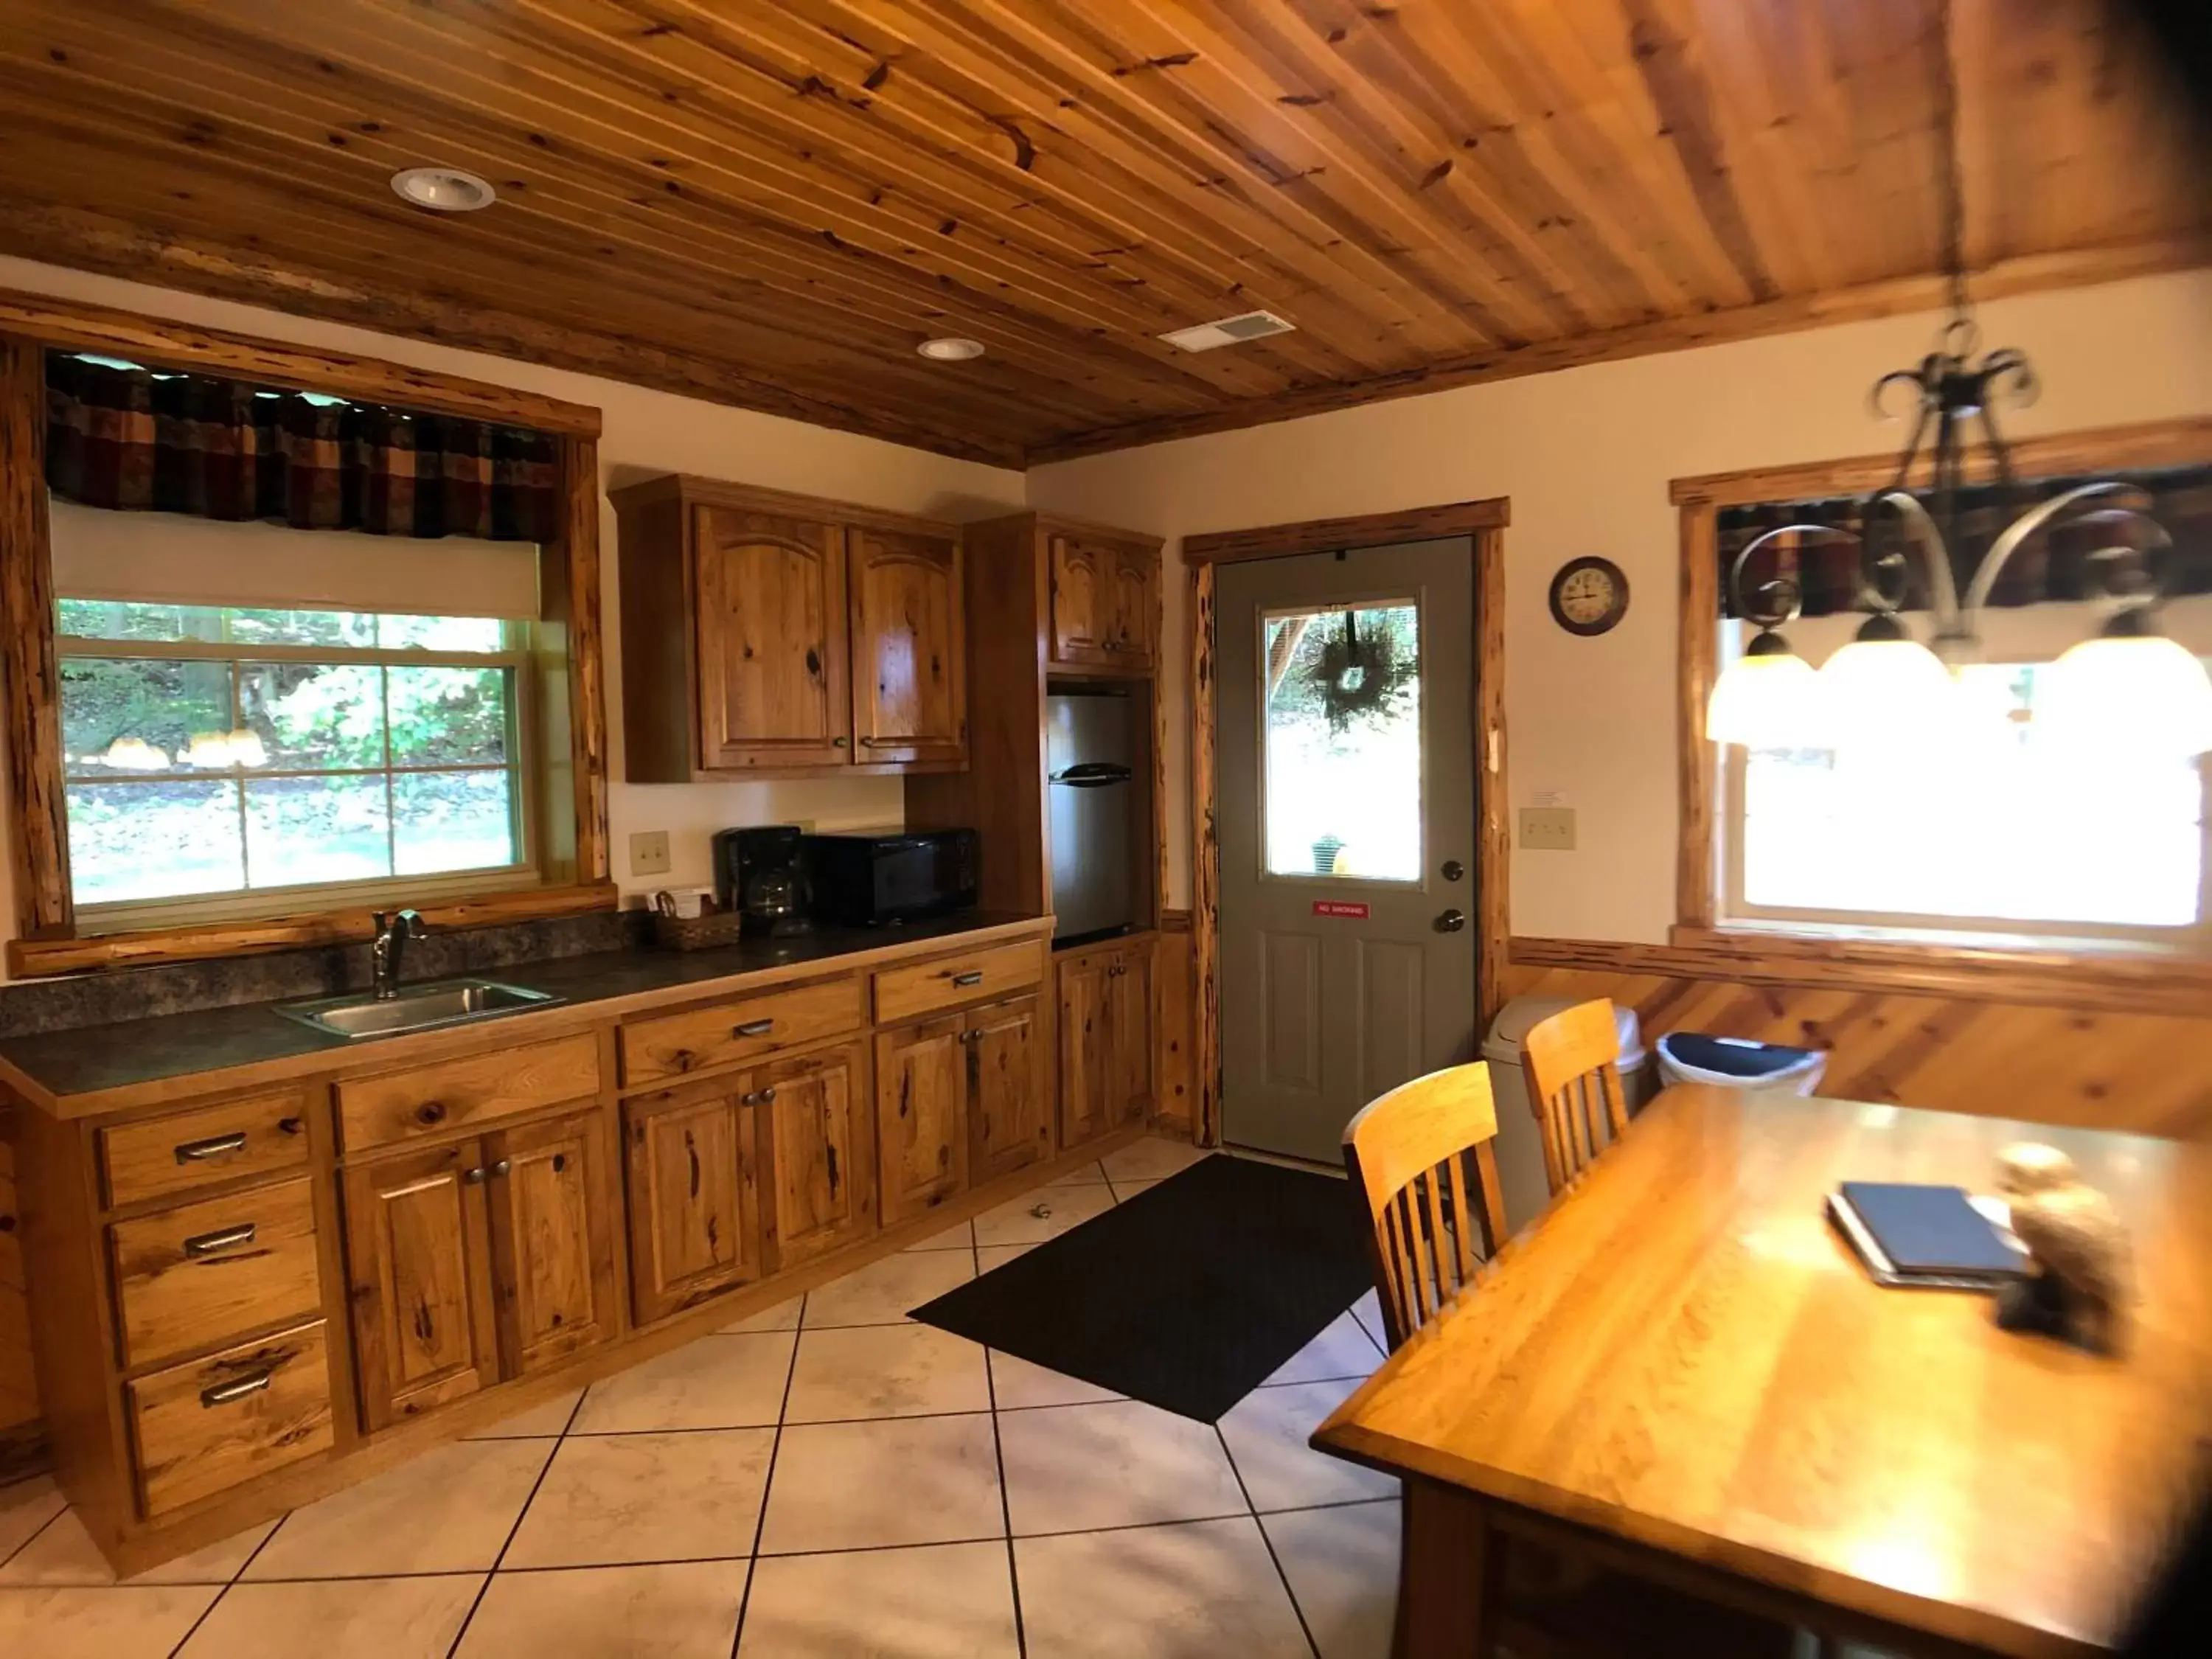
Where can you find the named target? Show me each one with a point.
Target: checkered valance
(140, 440)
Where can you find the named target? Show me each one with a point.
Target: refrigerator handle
(1093, 775)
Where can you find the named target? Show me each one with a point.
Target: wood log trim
(1365, 530)
(1205, 864)
(2185, 442)
(161, 342)
(30, 958)
(1696, 667)
(1493, 858)
(574, 600)
(30, 674)
(2090, 984)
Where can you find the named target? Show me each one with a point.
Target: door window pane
(1341, 776)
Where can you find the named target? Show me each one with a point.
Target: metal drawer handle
(753, 1027)
(224, 1393)
(228, 1238)
(886, 743)
(197, 1152)
(975, 978)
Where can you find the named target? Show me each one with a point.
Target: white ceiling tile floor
(826, 1479)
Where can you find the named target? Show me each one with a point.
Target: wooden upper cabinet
(1009, 1089)
(694, 1209)
(921, 1130)
(553, 1218)
(1082, 600)
(909, 649)
(771, 640)
(418, 1258)
(821, 1186)
(1131, 619)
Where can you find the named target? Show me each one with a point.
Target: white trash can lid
(1510, 1029)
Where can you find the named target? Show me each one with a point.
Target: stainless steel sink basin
(416, 1008)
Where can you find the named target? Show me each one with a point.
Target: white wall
(1585, 456)
(645, 433)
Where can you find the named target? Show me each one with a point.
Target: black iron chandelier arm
(1781, 599)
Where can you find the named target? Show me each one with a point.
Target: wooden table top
(1685, 1354)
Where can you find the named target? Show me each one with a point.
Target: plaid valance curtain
(2054, 566)
(139, 441)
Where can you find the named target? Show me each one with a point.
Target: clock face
(1589, 595)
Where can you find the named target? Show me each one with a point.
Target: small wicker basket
(706, 933)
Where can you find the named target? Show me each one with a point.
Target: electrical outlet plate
(648, 853)
(1548, 829)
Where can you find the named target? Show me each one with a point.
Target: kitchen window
(214, 754)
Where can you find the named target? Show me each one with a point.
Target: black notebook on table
(1923, 1236)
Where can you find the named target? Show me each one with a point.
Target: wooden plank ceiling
(769, 202)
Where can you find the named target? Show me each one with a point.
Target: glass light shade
(1770, 702)
(2138, 694)
(1888, 691)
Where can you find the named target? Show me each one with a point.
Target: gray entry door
(1344, 736)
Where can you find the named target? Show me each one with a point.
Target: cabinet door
(1129, 1008)
(694, 1214)
(1009, 1104)
(770, 597)
(1135, 588)
(822, 1189)
(553, 1239)
(1085, 1049)
(922, 1137)
(418, 1257)
(910, 656)
(1082, 600)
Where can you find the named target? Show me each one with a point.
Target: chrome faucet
(394, 929)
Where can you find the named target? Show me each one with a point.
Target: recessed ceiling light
(443, 190)
(950, 350)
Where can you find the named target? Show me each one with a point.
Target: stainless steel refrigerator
(1088, 751)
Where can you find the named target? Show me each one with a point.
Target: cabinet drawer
(453, 1094)
(655, 1050)
(202, 1428)
(254, 1134)
(948, 981)
(198, 1273)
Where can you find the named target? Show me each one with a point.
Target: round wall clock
(1589, 595)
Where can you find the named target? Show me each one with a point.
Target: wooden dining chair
(1421, 1157)
(1574, 1086)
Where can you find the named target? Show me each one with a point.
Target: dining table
(1682, 1371)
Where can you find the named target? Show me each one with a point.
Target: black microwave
(874, 880)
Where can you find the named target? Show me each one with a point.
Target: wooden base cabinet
(694, 1226)
(1105, 1039)
(921, 1120)
(821, 1156)
(1009, 1104)
(478, 1260)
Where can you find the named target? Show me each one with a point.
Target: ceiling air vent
(1230, 331)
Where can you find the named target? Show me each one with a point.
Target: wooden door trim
(1485, 522)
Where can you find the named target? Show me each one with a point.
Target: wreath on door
(1362, 674)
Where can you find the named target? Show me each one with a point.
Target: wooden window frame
(1768, 949)
(568, 683)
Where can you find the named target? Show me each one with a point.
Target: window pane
(312, 715)
(448, 716)
(157, 839)
(125, 716)
(300, 830)
(1992, 823)
(107, 619)
(345, 627)
(486, 634)
(1343, 762)
(453, 821)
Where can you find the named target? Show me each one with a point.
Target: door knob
(1454, 870)
(1451, 921)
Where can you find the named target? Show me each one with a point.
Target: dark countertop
(133, 1055)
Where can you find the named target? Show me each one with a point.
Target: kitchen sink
(416, 1008)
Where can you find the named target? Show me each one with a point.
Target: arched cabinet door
(770, 593)
(909, 654)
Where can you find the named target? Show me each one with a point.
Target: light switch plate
(648, 853)
(1548, 829)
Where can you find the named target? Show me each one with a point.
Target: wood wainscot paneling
(1175, 1024)
(2028, 1046)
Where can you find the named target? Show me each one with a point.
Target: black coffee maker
(761, 873)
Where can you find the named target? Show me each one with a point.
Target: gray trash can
(1520, 1148)
(1768, 1068)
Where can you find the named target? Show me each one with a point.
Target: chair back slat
(1408, 1153)
(1574, 1086)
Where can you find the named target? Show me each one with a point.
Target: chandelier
(2127, 687)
